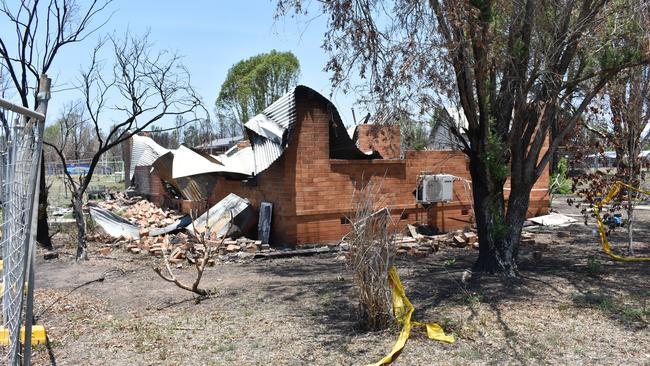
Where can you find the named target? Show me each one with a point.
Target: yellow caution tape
(403, 309)
(38, 335)
(613, 192)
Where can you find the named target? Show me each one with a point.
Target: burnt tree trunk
(42, 228)
(499, 221)
(498, 248)
(77, 211)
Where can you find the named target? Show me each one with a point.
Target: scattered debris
(420, 245)
(470, 237)
(296, 252)
(143, 228)
(553, 219)
(183, 222)
(216, 218)
(61, 211)
(132, 218)
(105, 251)
(459, 241)
(113, 224)
(50, 255)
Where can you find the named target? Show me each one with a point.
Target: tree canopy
(252, 84)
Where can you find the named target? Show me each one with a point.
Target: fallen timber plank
(296, 253)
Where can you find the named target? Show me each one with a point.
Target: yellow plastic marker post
(2, 288)
(613, 192)
(38, 335)
(2, 264)
(403, 309)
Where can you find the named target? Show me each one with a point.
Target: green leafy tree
(252, 84)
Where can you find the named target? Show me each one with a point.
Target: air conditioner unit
(435, 188)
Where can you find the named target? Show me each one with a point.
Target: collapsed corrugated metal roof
(237, 161)
(194, 187)
(270, 132)
(231, 214)
(221, 142)
(114, 225)
(189, 171)
(144, 152)
(186, 163)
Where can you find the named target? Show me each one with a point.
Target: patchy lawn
(575, 306)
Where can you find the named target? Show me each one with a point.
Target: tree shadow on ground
(573, 271)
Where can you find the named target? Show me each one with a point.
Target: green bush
(560, 182)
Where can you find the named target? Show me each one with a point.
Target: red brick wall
(312, 194)
(275, 185)
(148, 184)
(324, 186)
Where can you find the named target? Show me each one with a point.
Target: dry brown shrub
(372, 250)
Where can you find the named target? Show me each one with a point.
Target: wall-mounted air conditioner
(435, 188)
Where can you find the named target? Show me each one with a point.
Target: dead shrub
(200, 258)
(372, 250)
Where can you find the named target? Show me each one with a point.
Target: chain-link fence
(108, 175)
(20, 153)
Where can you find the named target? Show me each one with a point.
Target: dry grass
(574, 307)
(372, 251)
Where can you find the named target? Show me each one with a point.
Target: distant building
(220, 145)
(441, 136)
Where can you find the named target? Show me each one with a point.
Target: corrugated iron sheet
(144, 152)
(283, 113)
(231, 208)
(114, 225)
(238, 161)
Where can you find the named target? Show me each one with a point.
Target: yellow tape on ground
(403, 309)
(613, 192)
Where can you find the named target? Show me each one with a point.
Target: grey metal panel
(265, 152)
(217, 218)
(144, 152)
(264, 222)
(114, 225)
(283, 113)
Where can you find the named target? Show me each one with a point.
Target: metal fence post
(43, 98)
(21, 147)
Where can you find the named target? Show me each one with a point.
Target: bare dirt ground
(573, 307)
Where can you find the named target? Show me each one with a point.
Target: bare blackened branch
(40, 37)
